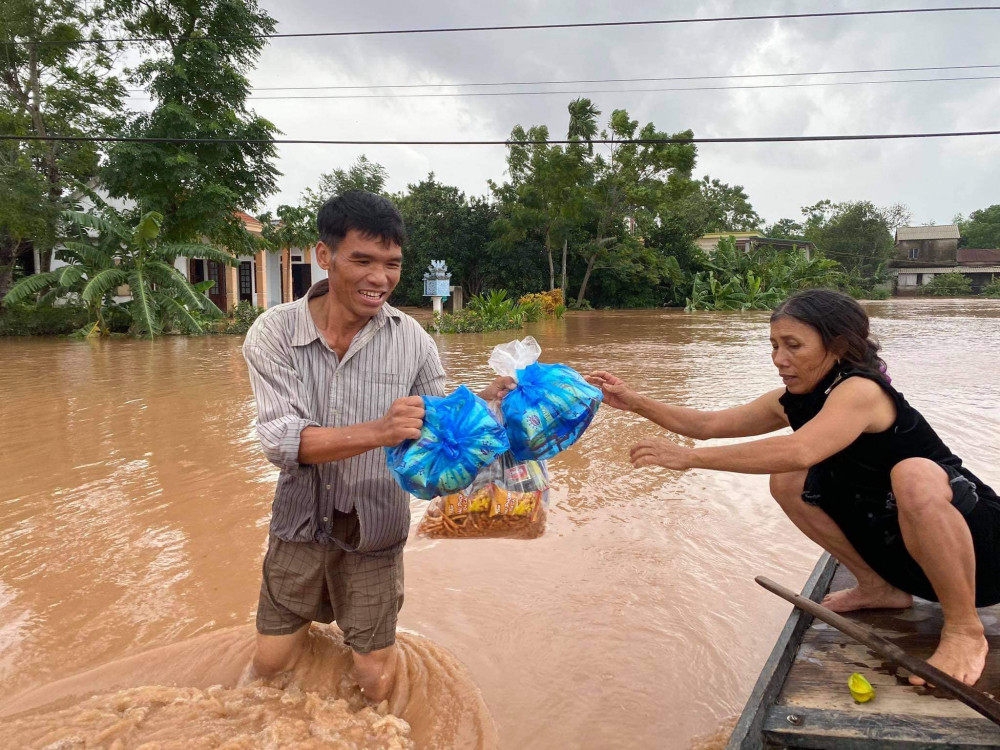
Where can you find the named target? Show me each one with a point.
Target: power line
(617, 91)
(613, 80)
(624, 141)
(527, 27)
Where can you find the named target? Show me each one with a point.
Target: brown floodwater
(134, 505)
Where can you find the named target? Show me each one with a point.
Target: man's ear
(324, 255)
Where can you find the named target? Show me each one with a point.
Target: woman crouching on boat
(863, 474)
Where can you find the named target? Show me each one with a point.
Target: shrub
(533, 311)
(948, 285)
(548, 301)
(28, 320)
(992, 289)
(243, 317)
(876, 292)
(486, 312)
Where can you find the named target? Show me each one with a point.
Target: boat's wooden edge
(748, 734)
(838, 730)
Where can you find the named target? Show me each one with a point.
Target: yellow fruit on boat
(861, 690)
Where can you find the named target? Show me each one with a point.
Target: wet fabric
(460, 436)
(854, 488)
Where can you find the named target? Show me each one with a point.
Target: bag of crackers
(507, 500)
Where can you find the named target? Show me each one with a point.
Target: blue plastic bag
(551, 406)
(460, 436)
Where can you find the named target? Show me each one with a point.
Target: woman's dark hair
(842, 323)
(372, 215)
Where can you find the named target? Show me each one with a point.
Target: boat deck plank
(825, 716)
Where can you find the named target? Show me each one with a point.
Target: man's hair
(372, 215)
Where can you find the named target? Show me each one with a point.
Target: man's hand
(500, 387)
(616, 392)
(661, 452)
(403, 421)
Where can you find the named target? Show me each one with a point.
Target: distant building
(928, 244)
(264, 279)
(748, 241)
(925, 252)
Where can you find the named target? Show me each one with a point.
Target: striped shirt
(298, 381)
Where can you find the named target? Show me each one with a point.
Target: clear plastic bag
(551, 406)
(507, 500)
(460, 436)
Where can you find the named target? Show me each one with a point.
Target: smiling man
(337, 376)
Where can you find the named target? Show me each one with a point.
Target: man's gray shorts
(307, 582)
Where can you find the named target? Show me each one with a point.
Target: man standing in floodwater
(337, 376)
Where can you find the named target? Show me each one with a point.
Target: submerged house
(265, 279)
(925, 252)
(749, 241)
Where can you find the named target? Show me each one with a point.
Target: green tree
(982, 228)
(544, 195)
(109, 252)
(56, 87)
(293, 226)
(198, 82)
(724, 208)
(583, 114)
(364, 174)
(785, 229)
(442, 224)
(857, 234)
(630, 183)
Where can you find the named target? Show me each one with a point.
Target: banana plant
(108, 253)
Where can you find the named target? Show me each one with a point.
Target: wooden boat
(801, 698)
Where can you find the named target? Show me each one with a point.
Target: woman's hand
(616, 393)
(661, 452)
(500, 387)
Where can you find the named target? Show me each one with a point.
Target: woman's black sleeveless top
(862, 468)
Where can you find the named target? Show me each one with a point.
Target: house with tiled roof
(264, 279)
(925, 252)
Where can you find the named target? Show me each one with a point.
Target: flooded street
(134, 503)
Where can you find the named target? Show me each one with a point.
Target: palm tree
(109, 253)
(583, 115)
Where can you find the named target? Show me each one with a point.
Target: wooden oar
(974, 699)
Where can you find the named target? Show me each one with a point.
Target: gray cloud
(936, 178)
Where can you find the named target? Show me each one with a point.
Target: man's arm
(403, 421)
(291, 439)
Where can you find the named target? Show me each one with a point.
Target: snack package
(460, 436)
(551, 406)
(507, 500)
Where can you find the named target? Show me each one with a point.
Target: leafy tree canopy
(199, 85)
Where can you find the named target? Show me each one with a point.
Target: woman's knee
(919, 485)
(787, 488)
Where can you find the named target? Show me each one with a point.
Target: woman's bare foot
(867, 597)
(960, 653)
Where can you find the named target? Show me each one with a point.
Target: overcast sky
(935, 178)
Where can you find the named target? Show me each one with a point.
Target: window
(914, 253)
(246, 283)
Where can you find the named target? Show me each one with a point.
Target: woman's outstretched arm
(859, 405)
(758, 417)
